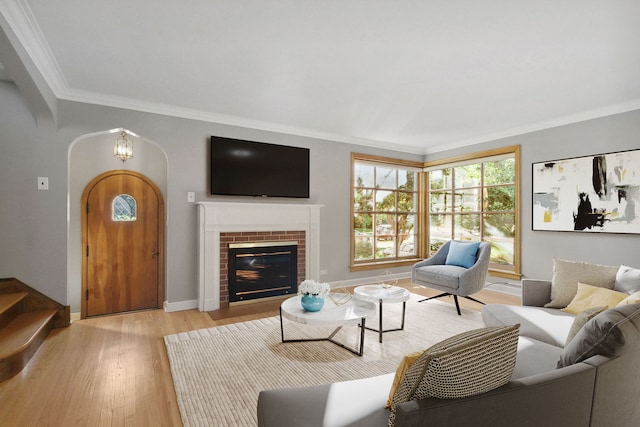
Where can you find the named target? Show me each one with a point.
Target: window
(476, 198)
(384, 211)
(123, 208)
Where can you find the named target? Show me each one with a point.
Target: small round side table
(379, 294)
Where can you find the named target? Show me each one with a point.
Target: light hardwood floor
(114, 371)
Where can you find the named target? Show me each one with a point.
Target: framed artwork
(598, 193)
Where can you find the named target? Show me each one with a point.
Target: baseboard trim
(180, 305)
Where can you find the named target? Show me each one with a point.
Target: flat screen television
(247, 168)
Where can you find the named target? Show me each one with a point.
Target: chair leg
(455, 298)
(474, 300)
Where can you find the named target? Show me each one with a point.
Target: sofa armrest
(533, 401)
(536, 293)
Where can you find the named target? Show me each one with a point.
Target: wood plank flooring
(114, 371)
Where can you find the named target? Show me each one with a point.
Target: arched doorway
(122, 243)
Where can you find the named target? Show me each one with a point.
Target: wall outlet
(191, 197)
(43, 183)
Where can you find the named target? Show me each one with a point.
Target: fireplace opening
(262, 269)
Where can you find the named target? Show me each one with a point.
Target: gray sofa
(597, 391)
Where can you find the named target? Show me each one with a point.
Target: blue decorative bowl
(311, 302)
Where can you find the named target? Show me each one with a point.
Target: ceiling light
(123, 147)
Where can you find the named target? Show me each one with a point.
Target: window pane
(440, 227)
(501, 198)
(363, 223)
(386, 178)
(434, 244)
(467, 227)
(363, 200)
(123, 208)
(385, 201)
(440, 201)
(502, 250)
(406, 223)
(385, 227)
(406, 245)
(468, 200)
(499, 172)
(406, 180)
(440, 179)
(467, 176)
(386, 248)
(407, 202)
(363, 175)
(363, 248)
(500, 225)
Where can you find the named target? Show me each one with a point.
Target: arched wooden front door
(122, 240)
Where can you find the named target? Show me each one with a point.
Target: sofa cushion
(462, 254)
(534, 357)
(634, 298)
(627, 280)
(592, 296)
(609, 334)
(582, 318)
(467, 364)
(567, 274)
(548, 325)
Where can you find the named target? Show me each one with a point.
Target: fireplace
(223, 223)
(262, 269)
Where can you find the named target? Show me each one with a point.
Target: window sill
(505, 274)
(384, 264)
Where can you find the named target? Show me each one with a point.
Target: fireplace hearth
(262, 269)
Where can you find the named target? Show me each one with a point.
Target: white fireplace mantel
(225, 217)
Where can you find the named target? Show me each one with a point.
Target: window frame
(472, 158)
(379, 161)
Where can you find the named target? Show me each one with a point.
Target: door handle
(154, 253)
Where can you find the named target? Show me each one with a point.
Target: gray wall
(40, 230)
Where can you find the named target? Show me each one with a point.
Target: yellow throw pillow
(592, 296)
(634, 298)
(405, 364)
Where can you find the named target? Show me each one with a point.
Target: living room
(50, 129)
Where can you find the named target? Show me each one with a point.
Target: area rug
(218, 372)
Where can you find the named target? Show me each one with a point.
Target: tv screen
(247, 168)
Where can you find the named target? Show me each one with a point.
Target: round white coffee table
(353, 312)
(379, 294)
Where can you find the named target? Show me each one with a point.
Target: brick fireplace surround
(257, 236)
(221, 222)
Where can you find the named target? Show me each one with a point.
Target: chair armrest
(536, 293)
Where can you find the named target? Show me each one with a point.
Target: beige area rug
(218, 372)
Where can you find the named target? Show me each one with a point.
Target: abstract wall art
(598, 193)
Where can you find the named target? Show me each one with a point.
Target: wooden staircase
(26, 318)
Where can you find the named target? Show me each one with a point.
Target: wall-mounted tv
(247, 168)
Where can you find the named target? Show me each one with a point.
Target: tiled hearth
(219, 221)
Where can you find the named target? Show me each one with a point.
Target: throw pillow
(581, 319)
(462, 254)
(404, 365)
(567, 274)
(467, 364)
(591, 296)
(609, 334)
(631, 299)
(627, 280)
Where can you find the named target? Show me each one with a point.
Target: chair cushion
(467, 364)
(610, 333)
(462, 254)
(447, 276)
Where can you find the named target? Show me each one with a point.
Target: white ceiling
(422, 76)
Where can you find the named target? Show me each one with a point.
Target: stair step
(20, 339)
(10, 307)
(9, 300)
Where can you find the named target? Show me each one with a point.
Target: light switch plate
(43, 183)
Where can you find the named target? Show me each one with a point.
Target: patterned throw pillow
(467, 364)
(567, 274)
